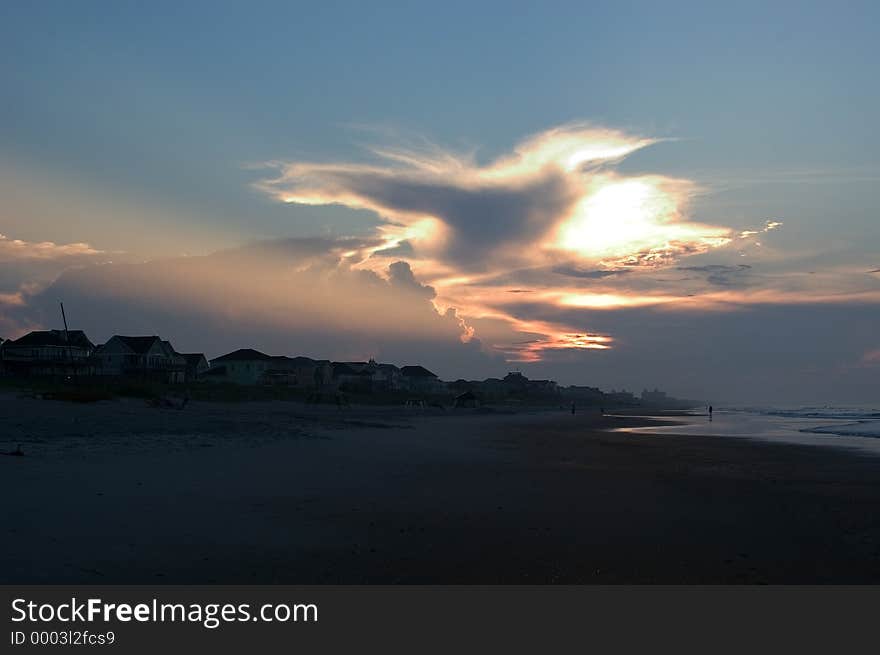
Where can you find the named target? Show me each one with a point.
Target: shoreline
(268, 493)
(817, 432)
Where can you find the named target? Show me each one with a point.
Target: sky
(623, 195)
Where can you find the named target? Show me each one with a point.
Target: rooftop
(78, 339)
(140, 345)
(243, 354)
(416, 372)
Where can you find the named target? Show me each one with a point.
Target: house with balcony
(142, 357)
(48, 353)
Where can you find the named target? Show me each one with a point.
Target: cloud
(26, 267)
(554, 206)
(400, 276)
(555, 196)
(293, 296)
(555, 225)
(573, 271)
(16, 250)
(520, 256)
(720, 274)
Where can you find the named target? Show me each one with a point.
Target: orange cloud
(16, 249)
(555, 203)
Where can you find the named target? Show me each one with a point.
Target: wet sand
(116, 492)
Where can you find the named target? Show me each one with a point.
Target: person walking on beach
(710, 412)
(572, 407)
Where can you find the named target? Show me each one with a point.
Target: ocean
(832, 426)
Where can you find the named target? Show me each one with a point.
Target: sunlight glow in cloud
(636, 221)
(555, 191)
(555, 203)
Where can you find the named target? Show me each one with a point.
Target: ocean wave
(857, 429)
(827, 412)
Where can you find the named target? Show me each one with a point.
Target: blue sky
(132, 126)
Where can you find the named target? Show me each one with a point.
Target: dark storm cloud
(478, 217)
(400, 276)
(572, 271)
(720, 274)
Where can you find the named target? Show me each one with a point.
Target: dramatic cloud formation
(555, 197)
(553, 218)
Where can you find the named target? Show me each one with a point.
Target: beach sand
(275, 492)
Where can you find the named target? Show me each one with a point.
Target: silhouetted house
(418, 379)
(543, 388)
(352, 376)
(383, 377)
(249, 366)
(303, 370)
(243, 366)
(621, 397)
(584, 394)
(48, 352)
(518, 385)
(460, 386)
(140, 357)
(655, 397)
(515, 382)
(280, 372)
(466, 400)
(492, 388)
(323, 374)
(196, 366)
(178, 362)
(300, 372)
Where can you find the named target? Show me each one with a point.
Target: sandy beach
(277, 492)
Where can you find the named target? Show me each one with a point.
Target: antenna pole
(67, 339)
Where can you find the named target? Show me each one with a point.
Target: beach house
(48, 352)
(300, 372)
(196, 366)
(142, 357)
(385, 377)
(418, 379)
(249, 366)
(242, 366)
(352, 376)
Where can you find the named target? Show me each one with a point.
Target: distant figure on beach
(602, 411)
(572, 407)
(710, 412)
